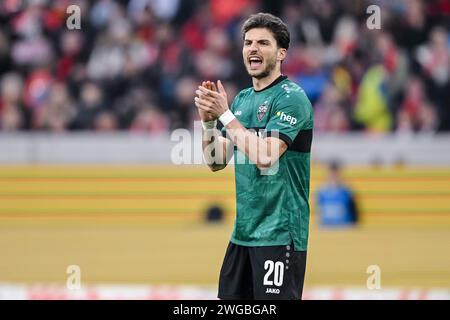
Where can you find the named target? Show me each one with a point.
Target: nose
(253, 48)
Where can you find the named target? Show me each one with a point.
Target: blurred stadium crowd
(135, 64)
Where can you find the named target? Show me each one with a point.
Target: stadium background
(136, 226)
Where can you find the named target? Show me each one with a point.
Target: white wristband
(209, 124)
(227, 117)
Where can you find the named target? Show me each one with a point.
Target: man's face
(260, 52)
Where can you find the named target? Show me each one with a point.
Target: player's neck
(259, 84)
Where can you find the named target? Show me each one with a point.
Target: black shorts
(272, 272)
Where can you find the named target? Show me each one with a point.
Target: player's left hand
(213, 102)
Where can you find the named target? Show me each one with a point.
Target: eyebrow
(259, 40)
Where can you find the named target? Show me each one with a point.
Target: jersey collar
(275, 82)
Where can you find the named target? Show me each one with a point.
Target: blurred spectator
(412, 26)
(133, 54)
(336, 203)
(71, 45)
(5, 58)
(396, 68)
(416, 112)
(223, 11)
(37, 88)
(105, 121)
(90, 106)
(434, 58)
(57, 112)
(150, 120)
(184, 94)
(371, 109)
(12, 113)
(329, 114)
(215, 62)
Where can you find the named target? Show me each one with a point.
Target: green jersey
(272, 206)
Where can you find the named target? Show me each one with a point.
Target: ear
(281, 54)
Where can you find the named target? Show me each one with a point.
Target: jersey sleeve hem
(279, 135)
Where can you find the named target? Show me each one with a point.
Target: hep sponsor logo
(283, 116)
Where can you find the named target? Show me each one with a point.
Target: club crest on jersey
(262, 110)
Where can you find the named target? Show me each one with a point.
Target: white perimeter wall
(128, 148)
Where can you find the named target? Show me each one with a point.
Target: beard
(270, 66)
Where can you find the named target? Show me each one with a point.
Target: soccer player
(269, 130)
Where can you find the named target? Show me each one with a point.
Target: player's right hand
(206, 116)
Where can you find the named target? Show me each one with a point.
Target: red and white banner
(12, 291)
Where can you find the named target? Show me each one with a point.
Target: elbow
(216, 167)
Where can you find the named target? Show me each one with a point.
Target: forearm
(257, 149)
(214, 151)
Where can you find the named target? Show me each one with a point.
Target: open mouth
(255, 62)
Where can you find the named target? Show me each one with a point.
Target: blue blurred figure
(336, 202)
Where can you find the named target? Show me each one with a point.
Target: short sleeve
(290, 114)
